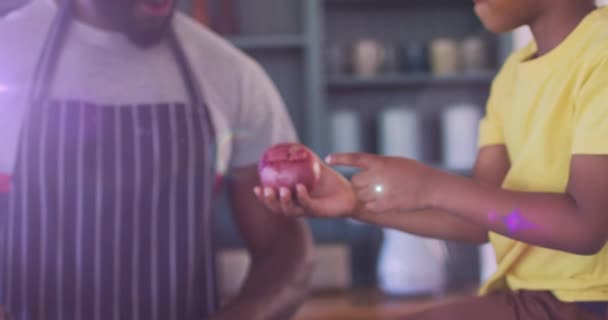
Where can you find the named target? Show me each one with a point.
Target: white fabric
(105, 68)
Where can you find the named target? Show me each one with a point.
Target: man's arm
(575, 221)
(490, 169)
(281, 256)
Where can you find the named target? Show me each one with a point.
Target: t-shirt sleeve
(262, 121)
(591, 113)
(490, 127)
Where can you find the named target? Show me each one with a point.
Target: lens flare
(514, 221)
(379, 188)
(224, 143)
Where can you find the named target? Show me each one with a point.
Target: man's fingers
(258, 193)
(269, 198)
(287, 205)
(304, 198)
(278, 201)
(357, 160)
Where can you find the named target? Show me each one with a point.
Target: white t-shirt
(247, 112)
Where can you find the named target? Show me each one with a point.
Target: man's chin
(147, 33)
(147, 39)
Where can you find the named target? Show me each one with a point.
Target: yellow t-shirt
(544, 110)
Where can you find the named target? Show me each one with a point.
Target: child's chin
(496, 25)
(498, 28)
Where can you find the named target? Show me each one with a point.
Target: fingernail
(328, 159)
(267, 192)
(283, 192)
(256, 190)
(300, 188)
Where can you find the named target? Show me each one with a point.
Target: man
(104, 184)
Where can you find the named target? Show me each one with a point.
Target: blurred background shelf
(400, 3)
(269, 42)
(291, 40)
(401, 81)
(349, 172)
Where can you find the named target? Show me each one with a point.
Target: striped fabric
(107, 214)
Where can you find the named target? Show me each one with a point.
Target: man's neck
(88, 14)
(553, 27)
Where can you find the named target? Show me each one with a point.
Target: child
(539, 191)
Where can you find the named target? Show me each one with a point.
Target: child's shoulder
(593, 47)
(508, 70)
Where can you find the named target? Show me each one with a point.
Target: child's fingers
(357, 160)
(363, 179)
(367, 195)
(373, 206)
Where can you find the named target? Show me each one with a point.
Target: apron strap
(198, 101)
(47, 61)
(45, 66)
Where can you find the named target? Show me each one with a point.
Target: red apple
(289, 164)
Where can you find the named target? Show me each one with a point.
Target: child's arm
(435, 224)
(575, 221)
(335, 197)
(490, 169)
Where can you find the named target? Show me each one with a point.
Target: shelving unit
(403, 81)
(278, 42)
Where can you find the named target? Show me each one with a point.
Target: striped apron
(108, 216)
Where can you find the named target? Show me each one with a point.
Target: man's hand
(389, 184)
(332, 197)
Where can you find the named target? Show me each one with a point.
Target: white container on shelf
(411, 265)
(345, 132)
(459, 128)
(399, 133)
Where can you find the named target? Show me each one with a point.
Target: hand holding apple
(291, 172)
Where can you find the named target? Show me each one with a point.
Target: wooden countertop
(368, 305)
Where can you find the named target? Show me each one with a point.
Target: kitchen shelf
(409, 80)
(269, 42)
(349, 172)
(400, 3)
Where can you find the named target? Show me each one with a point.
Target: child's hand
(388, 183)
(332, 197)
